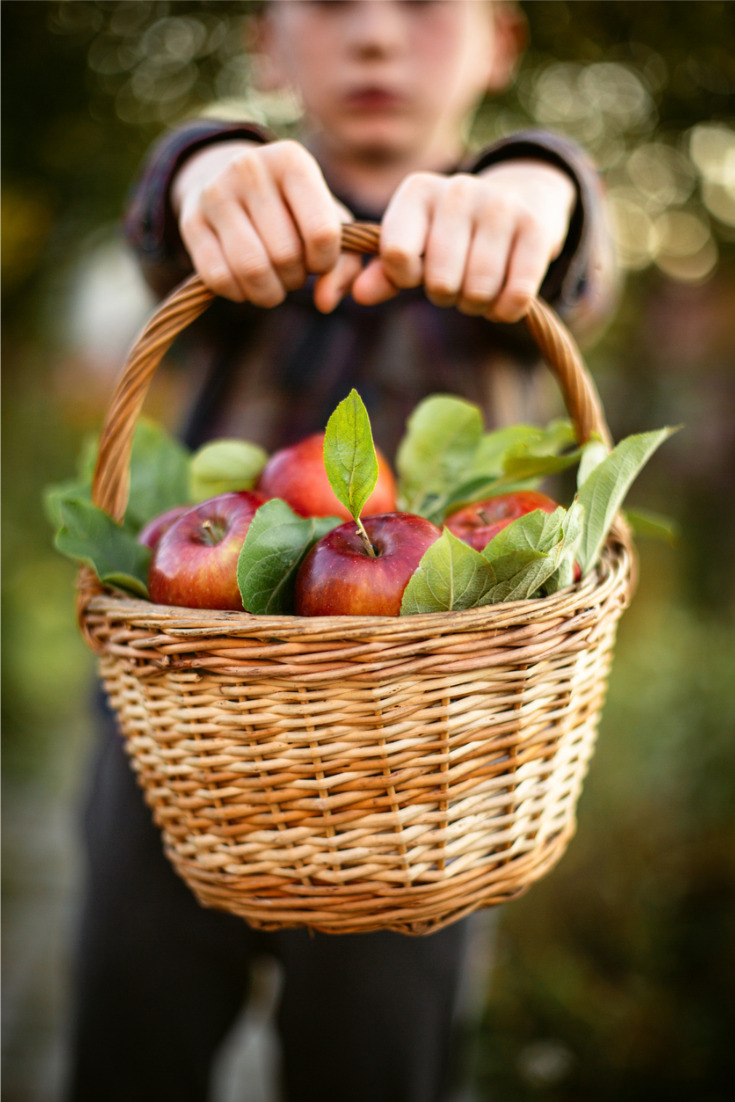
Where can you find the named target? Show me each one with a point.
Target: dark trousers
(159, 981)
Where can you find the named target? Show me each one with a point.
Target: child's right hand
(257, 219)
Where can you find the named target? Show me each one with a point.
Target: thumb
(331, 288)
(373, 285)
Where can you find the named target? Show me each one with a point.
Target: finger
(404, 232)
(247, 189)
(373, 285)
(449, 241)
(247, 258)
(208, 259)
(273, 223)
(486, 267)
(529, 259)
(331, 288)
(312, 208)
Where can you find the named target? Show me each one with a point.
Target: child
(387, 88)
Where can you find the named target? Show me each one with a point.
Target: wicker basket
(356, 773)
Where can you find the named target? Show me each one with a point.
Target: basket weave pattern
(356, 773)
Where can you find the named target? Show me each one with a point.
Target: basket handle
(111, 479)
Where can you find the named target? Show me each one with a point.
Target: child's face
(385, 79)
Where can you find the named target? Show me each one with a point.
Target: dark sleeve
(150, 225)
(582, 283)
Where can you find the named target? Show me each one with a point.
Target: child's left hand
(481, 243)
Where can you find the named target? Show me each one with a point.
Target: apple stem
(365, 538)
(483, 516)
(212, 533)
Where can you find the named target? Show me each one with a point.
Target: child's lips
(374, 98)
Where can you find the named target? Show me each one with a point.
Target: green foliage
(441, 439)
(223, 465)
(89, 536)
(274, 548)
(349, 454)
(533, 553)
(603, 491)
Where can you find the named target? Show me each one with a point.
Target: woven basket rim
(616, 562)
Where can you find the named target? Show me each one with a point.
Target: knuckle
(246, 170)
(477, 294)
(417, 184)
(214, 194)
(441, 283)
(402, 266)
(324, 234)
(253, 271)
(460, 191)
(514, 303)
(269, 297)
(286, 254)
(220, 281)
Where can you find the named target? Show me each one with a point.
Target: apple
(194, 563)
(343, 576)
(298, 476)
(151, 532)
(477, 523)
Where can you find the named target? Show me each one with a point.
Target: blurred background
(614, 977)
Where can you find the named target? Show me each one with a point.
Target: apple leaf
(645, 522)
(221, 466)
(276, 543)
(89, 536)
(515, 565)
(159, 473)
(57, 493)
(442, 436)
(527, 553)
(603, 491)
(349, 454)
(159, 476)
(593, 453)
(566, 552)
(450, 576)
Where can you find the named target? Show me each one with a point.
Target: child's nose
(376, 26)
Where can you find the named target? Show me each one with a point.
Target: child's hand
(482, 243)
(256, 219)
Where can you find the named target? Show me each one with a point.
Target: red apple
(339, 577)
(476, 524)
(151, 533)
(195, 561)
(297, 475)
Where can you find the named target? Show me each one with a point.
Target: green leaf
(349, 454)
(593, 453)
(644, 522)
(57, 493)
(523, 466)
(224, 465)
(159, 474)
(274, 548)
(526, 553)
(518, 457)
(89, 536)
(496, 446)
(450, 576)
(442, 436)
(603, 491)
(517, 564)
(572, 531)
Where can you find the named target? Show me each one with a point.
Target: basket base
(365, 906)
